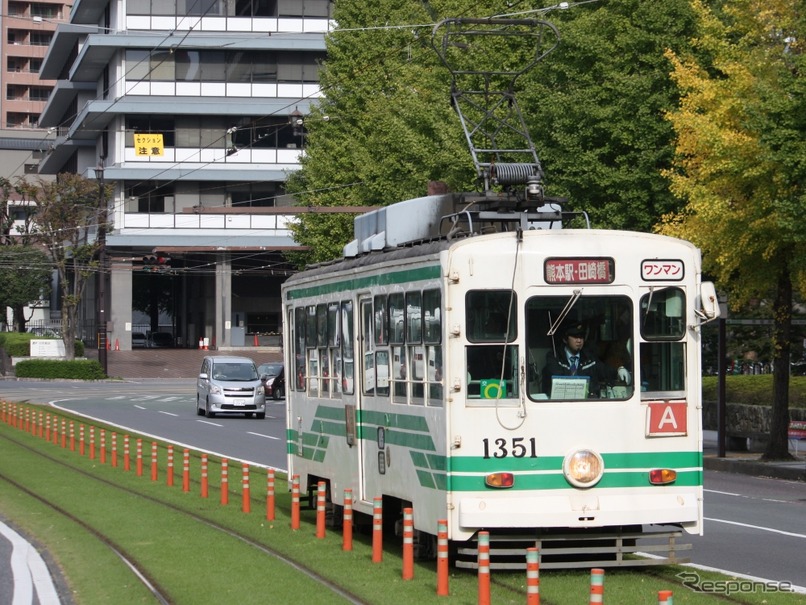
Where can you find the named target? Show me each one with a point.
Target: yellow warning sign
(148, 144)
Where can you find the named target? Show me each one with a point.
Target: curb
(795, 471)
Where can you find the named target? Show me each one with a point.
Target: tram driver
(572, 360)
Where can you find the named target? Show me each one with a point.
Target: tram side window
(663, 326)
(432, 336)
(347, 339)
(334, 348)
(602, 325)
(492, 365)
(299, 348)
(376, 361)
(397, 331)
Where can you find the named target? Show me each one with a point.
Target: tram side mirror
(709, 302)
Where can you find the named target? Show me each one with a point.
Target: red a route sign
(666, 418)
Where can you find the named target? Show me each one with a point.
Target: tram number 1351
(515, 447)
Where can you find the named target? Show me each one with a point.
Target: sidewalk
(749, 463)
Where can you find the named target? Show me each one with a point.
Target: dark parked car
(159, 340)
(272, 375)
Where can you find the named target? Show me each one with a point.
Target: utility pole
(101, 299)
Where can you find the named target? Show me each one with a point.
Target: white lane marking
(29, 571)
(747, 497)
(167, 413)
(759, 527)
(54, 403)
(262, 435)
(210, 423)
(714, 491)
(140, 407)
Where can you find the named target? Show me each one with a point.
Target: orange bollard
(532, 576)
(408, 544)
(597, 587)
(117, 345)
(270, 494)
(114, 450)
(665, 597)
(92, 443)
(154, 469)
(127, 459)
(204, 475)
(484, 567)
(139, 457)
(246, 504)
(442, 558)
(186, 470)
(321, 491)
(347, 525)
(41, 423)
(169, 466)
(81, 440)
(47, 428)
(64, 433)
(295, 502)
(224, 481)
(377, 530)
(72, 436)
(103, 446)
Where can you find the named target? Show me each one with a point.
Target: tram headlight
(583, 468)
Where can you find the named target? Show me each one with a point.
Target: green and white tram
(417, 372)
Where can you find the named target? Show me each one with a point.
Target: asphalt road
(754, 526)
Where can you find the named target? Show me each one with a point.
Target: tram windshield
(580, 348)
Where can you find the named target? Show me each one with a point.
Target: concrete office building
(191, 110)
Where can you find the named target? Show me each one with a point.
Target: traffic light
(156, 264)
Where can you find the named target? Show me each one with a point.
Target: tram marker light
(662, 476)
(500, 480)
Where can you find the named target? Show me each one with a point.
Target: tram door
(373, 381)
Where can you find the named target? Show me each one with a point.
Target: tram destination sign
(579, 270)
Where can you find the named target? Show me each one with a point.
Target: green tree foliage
(594, 108)
(25, 273)
(67, 212)
(741, 164)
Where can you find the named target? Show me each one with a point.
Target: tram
(420, 374)
(418, 369)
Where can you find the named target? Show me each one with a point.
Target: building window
(149, 124)
(221, 66)
(150, 198)
(46, 11)
(39, 93)
(41, 38)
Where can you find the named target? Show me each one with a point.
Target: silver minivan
(228, 384)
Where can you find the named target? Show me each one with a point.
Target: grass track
(195, 563)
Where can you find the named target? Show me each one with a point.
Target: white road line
(714, 491)
(140, 407)
(759, 527)
(211, 423)
(29, 571)
(262, 435)
(167, 413)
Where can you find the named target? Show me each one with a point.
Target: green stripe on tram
(467, 473)
(361, 283)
